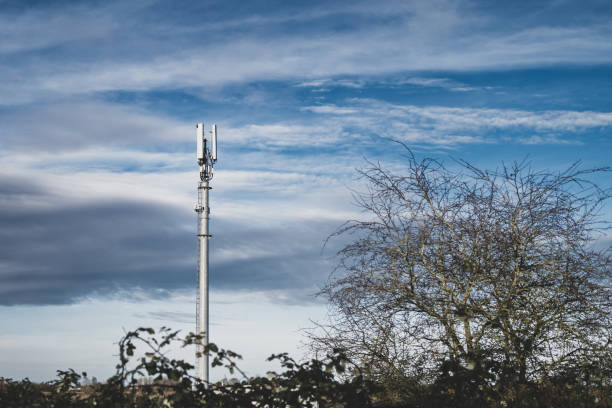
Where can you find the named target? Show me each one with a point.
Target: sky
(98, 177)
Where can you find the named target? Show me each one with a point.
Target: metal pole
(203, 236)
(206, 159)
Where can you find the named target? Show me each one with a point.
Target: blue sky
(98, 102)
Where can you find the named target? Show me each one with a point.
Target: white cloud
(436, 83)
(75, 125)
(324, 83)
(335, 110)
(284, 135)
(36, 29)
(441, 125)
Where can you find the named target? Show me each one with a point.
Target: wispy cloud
(79, 124)
(445, 83)
(331, 109)
(440, 125)
(32, 29)
(324, 83)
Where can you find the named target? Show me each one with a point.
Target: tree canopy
(501, 273)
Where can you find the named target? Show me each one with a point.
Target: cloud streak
(448, 126)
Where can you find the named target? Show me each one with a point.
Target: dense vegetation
(154, 380)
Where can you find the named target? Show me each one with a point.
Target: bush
(309, 384)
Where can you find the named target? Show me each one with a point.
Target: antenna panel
(200, 142)
(214, 143)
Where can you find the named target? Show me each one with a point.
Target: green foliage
(297, 385)
(24, 393)
(155, 380)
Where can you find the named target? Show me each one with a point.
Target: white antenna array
(206, 158)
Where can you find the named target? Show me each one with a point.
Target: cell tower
(206, 157)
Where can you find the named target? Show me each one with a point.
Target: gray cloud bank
(60, 254)
(57, 255)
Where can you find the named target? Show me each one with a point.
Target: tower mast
(206, 157)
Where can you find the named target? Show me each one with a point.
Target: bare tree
(473, 265)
